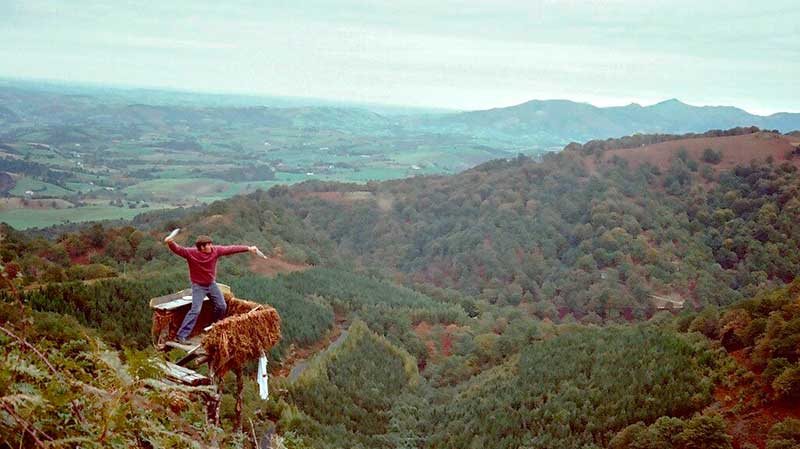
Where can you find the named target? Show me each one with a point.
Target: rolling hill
(597, 234)
(541, 124)
(735, 150)
(557, 122)
(108, 150)
(496, 255)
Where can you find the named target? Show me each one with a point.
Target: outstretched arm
(235, 249)
(177, 249)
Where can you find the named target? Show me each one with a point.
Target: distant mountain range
(530, 126)
(556, 122)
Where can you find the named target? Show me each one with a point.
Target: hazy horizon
(330, 101)
(455, 54)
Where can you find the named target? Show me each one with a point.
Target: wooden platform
(192, 344)
(182, 298)
(169, 312)
(175, 303)
(183, 375)
(191, 382)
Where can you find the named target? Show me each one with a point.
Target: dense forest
(513, 305)
(568, 235)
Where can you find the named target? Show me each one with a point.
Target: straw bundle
(166, 323)
(249, 330)
(238, 306)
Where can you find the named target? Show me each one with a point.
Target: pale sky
(464, 54)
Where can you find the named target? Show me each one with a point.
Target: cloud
(461, 53)
(174, 44)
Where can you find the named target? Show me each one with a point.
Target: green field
(38, 218)
(178, 156)
(38, 187)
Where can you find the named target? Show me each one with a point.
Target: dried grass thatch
(249, 330)
(166, 323)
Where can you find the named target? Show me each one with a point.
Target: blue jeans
(199, 292)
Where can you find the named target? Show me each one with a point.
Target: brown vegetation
(736, 150)
(273, 266)
(29, 203)
(751, 425)
(337, 197)
(6, 182)
(250, 330)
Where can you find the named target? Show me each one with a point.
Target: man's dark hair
(202, 241)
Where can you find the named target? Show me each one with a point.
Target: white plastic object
(263, 386)
(173, 234)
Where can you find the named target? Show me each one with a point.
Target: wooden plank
(167, 298)
(174, 304)
(154, 302)
(191, 355)
(187, 358)
(184, 375)
(189, 348)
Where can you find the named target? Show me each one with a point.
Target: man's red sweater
(203, 266)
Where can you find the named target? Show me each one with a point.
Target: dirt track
(301, 365)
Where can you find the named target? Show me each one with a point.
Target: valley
(399, 225)
(103, 154)
(619, 292)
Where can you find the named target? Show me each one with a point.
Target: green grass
(129, 150)
(31, 218)
(368, 157)
(417, 157)
(175, 189)
(81, 186)
(377, 173)
(40, 188)
(174, 171)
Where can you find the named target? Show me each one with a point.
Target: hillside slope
(61, 387)
(588, 233)
(569, 235)
(734, 150)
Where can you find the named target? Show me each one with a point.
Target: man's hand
(172, 235)
(257, 252)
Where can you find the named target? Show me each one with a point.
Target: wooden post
(212, 409)
(237, 420)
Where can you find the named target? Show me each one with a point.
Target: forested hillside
(576, 390)
(580, 234)
(450, 307)
(137, 249)
(60, 386)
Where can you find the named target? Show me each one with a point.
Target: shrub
(784, 435)
(711, 156)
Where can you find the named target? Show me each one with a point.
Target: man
(202, 262)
